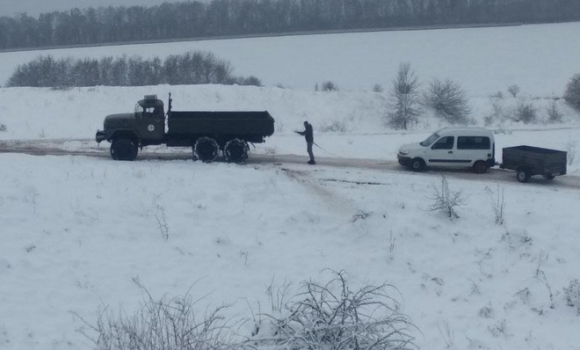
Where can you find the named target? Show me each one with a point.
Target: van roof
(466, 131)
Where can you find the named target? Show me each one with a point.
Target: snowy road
(83, 147)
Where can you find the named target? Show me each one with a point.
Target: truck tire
(523, 175)
(417, 164)
(480, 167)
(236, 151)
(206, 149)
(124, 149)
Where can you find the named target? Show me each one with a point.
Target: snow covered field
(77, 231)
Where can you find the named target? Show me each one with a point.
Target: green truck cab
(209, 134)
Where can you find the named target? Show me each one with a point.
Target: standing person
(308, 135)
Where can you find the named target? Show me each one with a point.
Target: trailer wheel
(206, 149)
(418, 164)
(236, 151)
(480, 167)
(124, 149)
(523, 174)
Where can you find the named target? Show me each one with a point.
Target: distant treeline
(189, 68)
(242, 17)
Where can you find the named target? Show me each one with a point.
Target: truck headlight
(403, 153)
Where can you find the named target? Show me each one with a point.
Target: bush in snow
(377, 88)
(513, 90)
(159, 324)
(446, 200)
(572, 294)
(3, 127)
(328, 315)
(526, 112)
(404, 99)
(572, 94)
(554, 114)
(448, 101)
(571, 152)
(329, 86)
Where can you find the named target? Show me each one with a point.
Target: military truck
(209, 134)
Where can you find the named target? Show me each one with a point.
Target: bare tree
(404, 98)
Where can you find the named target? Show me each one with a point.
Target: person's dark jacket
(308, 135)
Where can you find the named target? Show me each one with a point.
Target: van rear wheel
(480, 167)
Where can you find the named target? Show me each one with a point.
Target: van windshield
(430, 140)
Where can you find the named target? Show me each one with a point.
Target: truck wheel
(480, 167)
(523, 175)
(206, 149)
(236, 151)
(418, 164)
(124, 149)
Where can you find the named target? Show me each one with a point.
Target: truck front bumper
(100, 136)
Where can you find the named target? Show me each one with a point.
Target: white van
(451, 147)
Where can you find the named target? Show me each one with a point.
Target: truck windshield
(430, 140)
(138, 108)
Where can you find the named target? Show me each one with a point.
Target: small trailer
(528, 161)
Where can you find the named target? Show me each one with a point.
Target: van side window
(473, 142)
(444, 143)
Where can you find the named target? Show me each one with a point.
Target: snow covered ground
(77, 231)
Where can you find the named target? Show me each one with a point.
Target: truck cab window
(138, 110)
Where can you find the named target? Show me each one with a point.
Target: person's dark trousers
(309, 149)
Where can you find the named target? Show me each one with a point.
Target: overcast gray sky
(36, 7)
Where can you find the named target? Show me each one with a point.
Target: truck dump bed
(220, 123)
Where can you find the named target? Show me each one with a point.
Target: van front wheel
(480, 167)
(418, 164)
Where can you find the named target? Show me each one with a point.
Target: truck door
(151, 125)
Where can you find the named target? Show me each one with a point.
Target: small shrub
(336, 125)
(513, 90)
(554, 114)
(445, 200)
(329, 315)
(526, 113)
(3, 127)
(498, 204)
(249, 81)
(448, 101)
(329, 86)
(571, 152)
(159, 324)
(572, 94)
(498, 109)
(377, 88)
(572, 294)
